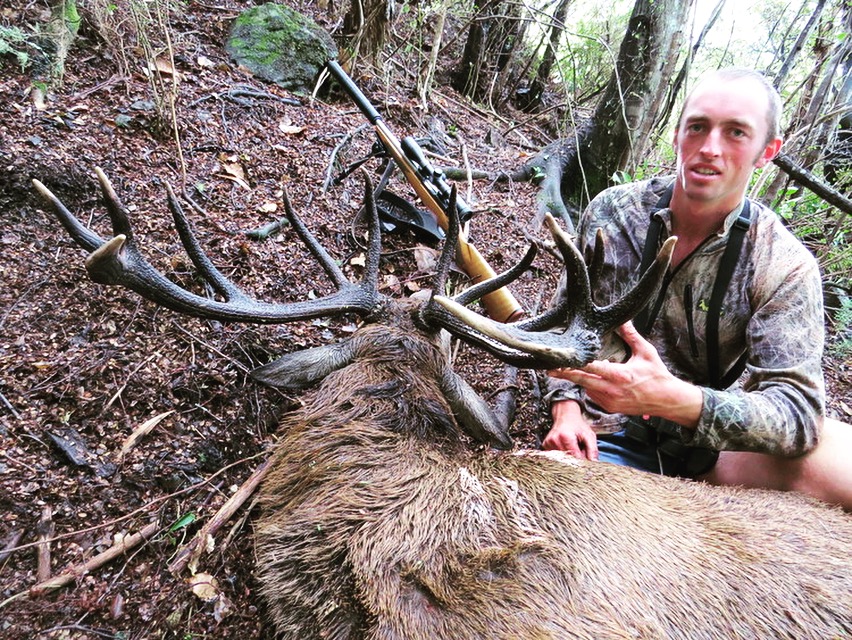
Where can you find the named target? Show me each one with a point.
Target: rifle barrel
(500, 304)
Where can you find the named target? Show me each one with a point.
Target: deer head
(529, 343)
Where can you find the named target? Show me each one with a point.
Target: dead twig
(147, 507)
(11, 544)
(118, 549)
(347, 138)
(191, 552)
(9, 406)
(121, 389)
(46, 528)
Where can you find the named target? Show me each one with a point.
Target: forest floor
(117, 415)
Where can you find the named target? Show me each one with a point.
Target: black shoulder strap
(723, 279)
(649, 252)
(726, 271)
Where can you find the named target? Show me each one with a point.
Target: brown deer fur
(380, 522)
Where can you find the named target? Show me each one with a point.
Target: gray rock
(278, 44)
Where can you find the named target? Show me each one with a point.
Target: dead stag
(379, 521)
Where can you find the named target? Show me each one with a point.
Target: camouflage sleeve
(779, 408)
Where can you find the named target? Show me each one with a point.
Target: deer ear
(302, 369)
(472, 413)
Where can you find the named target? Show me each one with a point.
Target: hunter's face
(721, 139)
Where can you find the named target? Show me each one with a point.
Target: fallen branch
(267, 230)
(45, 529)
(192, 551)
(804, 177)
(11, 545)
(69, 576)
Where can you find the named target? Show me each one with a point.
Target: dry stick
(9, 406)
(192, 551)
(46, 528)
(121, 389)
(11, 544)
(146, 507)
(116, 550)
(346, 140)
(83, 568)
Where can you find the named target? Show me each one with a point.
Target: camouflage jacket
(772, 311)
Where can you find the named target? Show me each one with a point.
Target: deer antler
(527, 343)
(119, 261)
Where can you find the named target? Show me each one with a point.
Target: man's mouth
(705, 171)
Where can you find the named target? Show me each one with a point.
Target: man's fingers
(633, 339)
(577, 376)
(590, 444)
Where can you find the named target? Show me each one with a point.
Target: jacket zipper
(690, 324)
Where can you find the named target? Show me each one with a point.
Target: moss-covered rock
(280, 45)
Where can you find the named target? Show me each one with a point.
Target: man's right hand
(571, 431)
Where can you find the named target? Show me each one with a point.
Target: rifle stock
(500, 304)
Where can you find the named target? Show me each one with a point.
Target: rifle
(432, 188)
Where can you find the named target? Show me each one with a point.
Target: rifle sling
(727, 265)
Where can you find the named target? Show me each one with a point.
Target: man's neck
(693, 221)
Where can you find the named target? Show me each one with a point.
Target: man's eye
(738, 133)
(695, 127)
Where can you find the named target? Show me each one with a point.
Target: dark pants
(648, 449)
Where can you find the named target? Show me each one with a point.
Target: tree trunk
(530, 101)
(492, 38)
(798, 46)
(677, 85)
(620, 133)
(366, 26)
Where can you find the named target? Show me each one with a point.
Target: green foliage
(824, 230)
(591, 48)
(842, 347)
(15, 42)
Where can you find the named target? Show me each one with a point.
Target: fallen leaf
(164, 67)
(204, 586)
(234, 171)
(143, 429)
(205, 62)
(289, 129)
(222, 608)
(426, 258)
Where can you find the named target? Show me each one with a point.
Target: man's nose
(712, 143)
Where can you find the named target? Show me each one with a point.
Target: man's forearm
(679, 402)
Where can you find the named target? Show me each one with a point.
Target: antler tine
(208, 270)
(116, 210)
(525, 344)
(442, 270)
(500, 280)
(625, 308)
(79, 232)
(119, 261)
(370, 278)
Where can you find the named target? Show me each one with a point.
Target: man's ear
(770, 151)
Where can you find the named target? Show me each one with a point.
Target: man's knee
(755, 470)
(823, 473)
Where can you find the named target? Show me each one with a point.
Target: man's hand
(641, 386)
(571, 431)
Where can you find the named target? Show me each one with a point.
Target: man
(670, 406)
